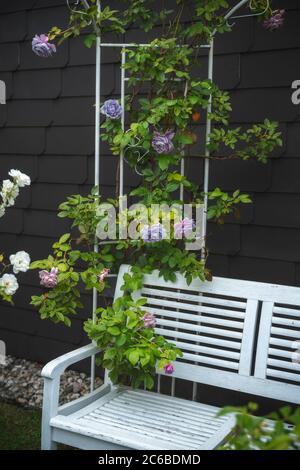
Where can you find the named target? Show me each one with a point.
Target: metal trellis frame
(123, 46)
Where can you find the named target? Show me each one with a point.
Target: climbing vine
(166, 105)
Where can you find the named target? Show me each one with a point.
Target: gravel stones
(21, 383)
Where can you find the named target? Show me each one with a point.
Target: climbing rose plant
(20, 261)
(166, 104)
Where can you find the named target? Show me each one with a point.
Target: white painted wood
(57, 366)
(287, 311)
(248, 337)
(123, 418)
(263, 340)
(217, 336)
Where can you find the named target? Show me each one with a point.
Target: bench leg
(47, 443)
(50, 405)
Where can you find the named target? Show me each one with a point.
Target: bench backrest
(235, 334)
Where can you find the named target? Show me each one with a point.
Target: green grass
(19, 428)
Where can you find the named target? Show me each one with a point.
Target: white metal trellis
(123, 46)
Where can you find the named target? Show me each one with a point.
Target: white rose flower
(9, 192)
(20, 178)
(2, 210)
(20, 261)
(9, 283)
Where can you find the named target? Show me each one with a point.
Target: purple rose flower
(169, 368)
(112, 109)
(103, 275)
(153, 233)
(42, 47)
(184, 228)
(48, 279)
(162, 143)
(275, 21)
(149, 320)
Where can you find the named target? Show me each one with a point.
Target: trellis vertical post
(97, 171)
(123, 79)
(207, 141)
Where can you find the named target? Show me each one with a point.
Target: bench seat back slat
(215, 324)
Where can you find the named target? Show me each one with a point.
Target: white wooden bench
(238, 335)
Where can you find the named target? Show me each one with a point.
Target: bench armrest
(56, 367)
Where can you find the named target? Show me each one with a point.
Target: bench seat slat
(206, 350)
(280, 374)
(286, 322)
(190, 316)
(285, 332)
(123, 418)
(282, 353)
(287, 311)
(284, 364)
(200, 298)
(211, 361)
(200, 339)
(285, 343)
(192, 307)
(200, 328)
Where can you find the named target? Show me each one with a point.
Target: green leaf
(89, 40)
(114, 330)
(134, 357)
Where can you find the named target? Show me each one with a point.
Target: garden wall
(47, 131)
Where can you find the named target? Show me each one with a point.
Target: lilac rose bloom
(275, 21)
(112, 109)
(184, 228)
(162, 143)
(153, 233)
(42, 47)
(149, 320)
(169, 368)
(48, 279)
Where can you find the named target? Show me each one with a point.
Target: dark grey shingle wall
(46, 130)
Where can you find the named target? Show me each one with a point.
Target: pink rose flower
(149, 320)
(48, 279)
(103, 275)
(169, 368)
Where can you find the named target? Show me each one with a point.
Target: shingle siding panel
(27, 113)
(41, 20)
(29, 141)
(62, 169)
(49, 196)
(278, 68)
(261, 270)
(13, 221)
(13, 27)
(258, 103)
(285, 175)
(270, 243)
(70, 141)
(80, 81)
(44, 223)
(7, 6)
(9, 57)
(37, 84)
(74, 112)
(278, 210)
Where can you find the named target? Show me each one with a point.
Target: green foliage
(225, 204)
(128, 350)
(256, 433)
(164, 94)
